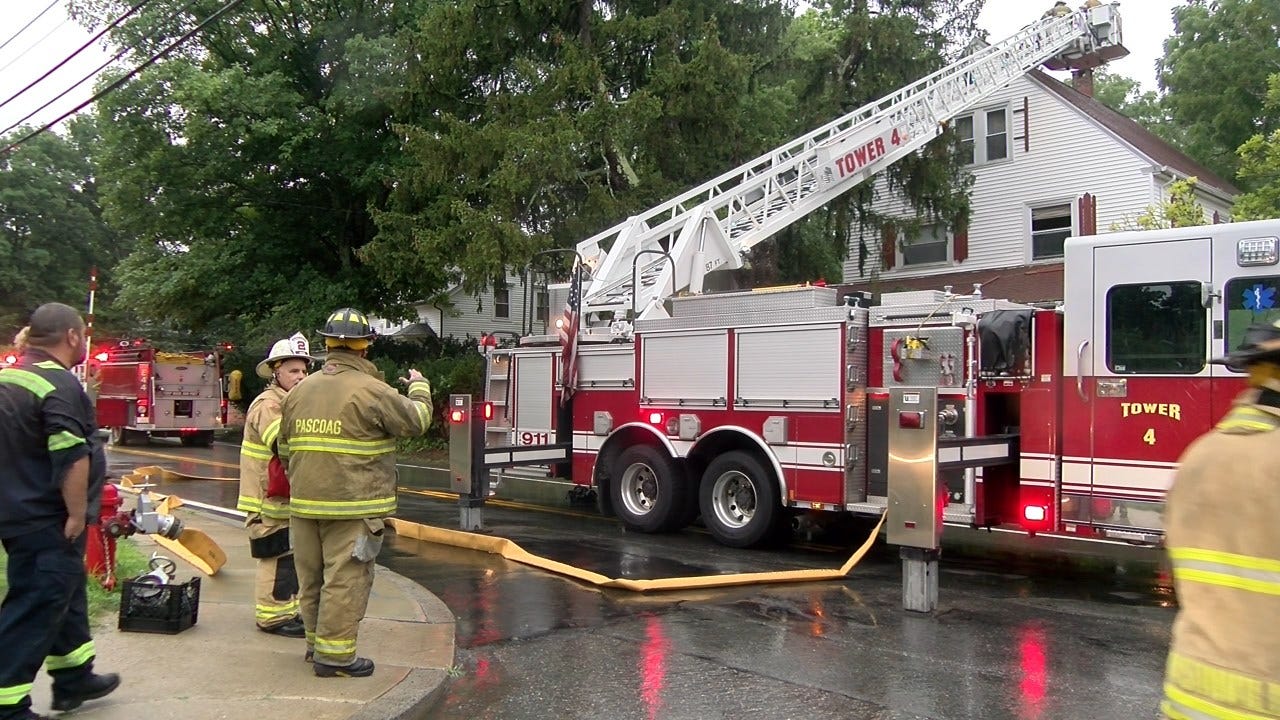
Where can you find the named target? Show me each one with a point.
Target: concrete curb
(422, 688)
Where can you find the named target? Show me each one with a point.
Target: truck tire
(739, 500)
(119, 436)
(649, 490)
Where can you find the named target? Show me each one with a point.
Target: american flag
(568, 331)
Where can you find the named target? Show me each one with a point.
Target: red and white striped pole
(88, 324)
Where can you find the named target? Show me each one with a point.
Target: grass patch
(130, 562)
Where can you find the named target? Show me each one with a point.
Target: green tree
(1260, 167)
(1146, 107)
(1214, 75)
(533, 124)
(51, 226)
(247, 161)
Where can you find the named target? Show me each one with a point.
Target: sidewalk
(223, 667)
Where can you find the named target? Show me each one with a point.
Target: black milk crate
(151, 608)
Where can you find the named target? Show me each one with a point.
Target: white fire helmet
(289, 348)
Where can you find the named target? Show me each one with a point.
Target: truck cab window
(1156, 328)
(1249, 300)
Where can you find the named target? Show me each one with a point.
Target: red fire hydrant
(100, 547)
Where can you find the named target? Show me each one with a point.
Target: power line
(35, 44)
(67, 59)
(29, 23)
(149, 62)
(92, 73)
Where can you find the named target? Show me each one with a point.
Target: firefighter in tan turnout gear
(339, 431)
(1222, 520)
(264, 490)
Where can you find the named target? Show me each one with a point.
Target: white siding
(1069, 155)
(463, 318)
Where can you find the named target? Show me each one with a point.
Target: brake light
(655, 418)
(10, 359)
(487, 411)
(143, 408)
(1035, 513)
(457, 416)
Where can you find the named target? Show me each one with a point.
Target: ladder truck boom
(712, 226)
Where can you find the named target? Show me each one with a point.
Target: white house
(1049, 161)
(508, 310)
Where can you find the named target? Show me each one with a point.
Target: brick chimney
(1082, 81)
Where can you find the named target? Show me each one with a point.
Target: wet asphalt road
(1035, 638)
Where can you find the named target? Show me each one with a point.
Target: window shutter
(1088, 213)
(888, 246)
(960, 243)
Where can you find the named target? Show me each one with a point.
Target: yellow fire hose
(200, 550)
(513, 552)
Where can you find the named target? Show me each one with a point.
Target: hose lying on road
(512, 551)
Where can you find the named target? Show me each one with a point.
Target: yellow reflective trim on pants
(343, 446)
(1178, 704)
(246, 503)
(1227, 580)
(330, 646)
(1220, 685)
(13, 694)
(1249, 562)
(276, 612)
(271, 432)
(73, 659)
(342, 508)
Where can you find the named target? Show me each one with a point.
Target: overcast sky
(53, 37)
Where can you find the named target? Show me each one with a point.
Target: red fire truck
(746, 407)
(143, 392)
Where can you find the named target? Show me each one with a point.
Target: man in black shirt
(51, 472)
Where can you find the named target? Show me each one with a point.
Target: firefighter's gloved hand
(416, 377)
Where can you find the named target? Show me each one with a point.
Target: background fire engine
(141, 391)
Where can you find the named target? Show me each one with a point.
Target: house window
(544, 305)
(1050, 228)
(502, 301)
(1156, 329)
(964, 128)
(997, 135)
(992, 126)
(928, 246)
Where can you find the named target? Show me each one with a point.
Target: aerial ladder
(632, 267)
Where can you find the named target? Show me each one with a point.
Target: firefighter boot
(291, 629)
(362, 667)
(91, 687)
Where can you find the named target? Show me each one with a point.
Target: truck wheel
(119, 436)
(739, 500)
(649, 490)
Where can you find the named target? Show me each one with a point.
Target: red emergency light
(654, 418)
(102, 357)
(457, 416)
(10, 359)
(1035, 513)
(486, 410)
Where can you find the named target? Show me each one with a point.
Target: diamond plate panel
(889, 314)
(700, 322)
(928, 369)
(754, 301)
